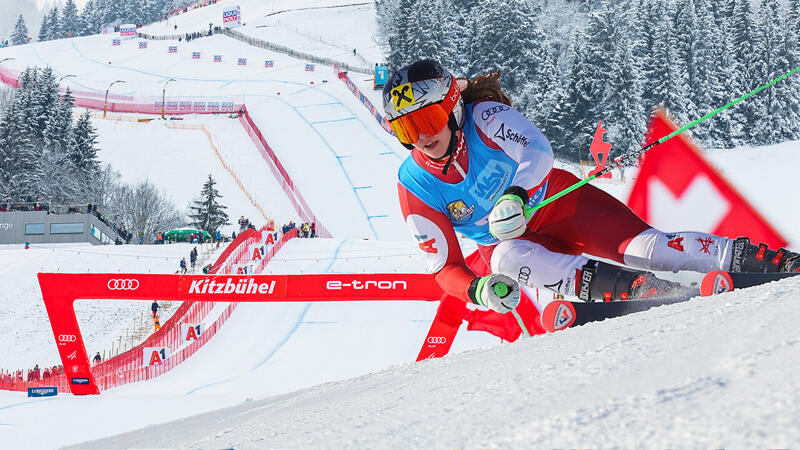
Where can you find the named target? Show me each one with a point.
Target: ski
(562, 314)
(719, 281)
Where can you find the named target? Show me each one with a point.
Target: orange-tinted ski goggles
(429, 120)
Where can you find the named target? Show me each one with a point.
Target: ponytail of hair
(485, 87)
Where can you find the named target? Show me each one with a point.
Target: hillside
(714, 372)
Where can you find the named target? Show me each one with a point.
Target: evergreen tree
(773, 113)
(17, 154)
(670, 79)
(55, 30)
(58, 133)
(723, 129)
(393, 26)
(625, 112)
(46, 29)
(207, 213)
(84, 152)
(509, 46)
(572, 122)
(71, 22)
(743, 36)
(647, 17)
(20, 34)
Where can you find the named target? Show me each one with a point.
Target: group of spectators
(25, 206)
(192, 260)
(305, 230)
(197, 34)
(244, 224)
(124, 235)
(35, 374)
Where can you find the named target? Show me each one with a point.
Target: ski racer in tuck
(475, 162)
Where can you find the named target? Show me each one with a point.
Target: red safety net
(280, 173)
(127, 367)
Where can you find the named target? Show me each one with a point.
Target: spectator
(156, 324)
(193, 256)
(141, 237)
(218, 238)
(36, 372)
(313, 229)
(46, 373)
(183, 265)
(27, 245)
(207, 269)
(154, 308)
(233, 235)
(97, 358)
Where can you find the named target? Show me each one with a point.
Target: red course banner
(60, 290)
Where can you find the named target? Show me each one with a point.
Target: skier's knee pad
(533, 265)
(685, 250)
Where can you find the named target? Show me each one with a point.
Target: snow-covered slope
(716, 372)
(712, 372)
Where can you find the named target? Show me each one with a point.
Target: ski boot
(748, 257)
(607, 282)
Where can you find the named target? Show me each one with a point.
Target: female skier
(475, 163)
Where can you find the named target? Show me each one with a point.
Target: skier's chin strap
(451, 151)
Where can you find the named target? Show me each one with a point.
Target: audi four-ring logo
(123, 285)
(66, 338)
(437, 340)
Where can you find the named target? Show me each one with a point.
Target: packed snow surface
(713, 372)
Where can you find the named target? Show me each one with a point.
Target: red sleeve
(438, 243)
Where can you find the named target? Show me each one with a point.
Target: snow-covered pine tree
(17, 154)
(134, 11)
(646, 18)
(539, 90)
(625, 114)
(743, 36)
(507, 45)
(793, 51)
(684, 43)
(46, 29)
(774, 116)
(392, 18)
(208, 213)
(723, 132)
(92, 17)
(43, 97)
(71, 22)
(572, 121)
(55, 29)
(20, 34)
(84, 153)
(58, 132)
(670, 86)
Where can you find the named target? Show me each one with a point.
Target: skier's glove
(497, 292)
(508, 218)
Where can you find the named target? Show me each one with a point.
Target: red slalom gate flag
(677, 189)
(453, 311)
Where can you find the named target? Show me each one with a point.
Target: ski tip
(558, 315)
(716, 282)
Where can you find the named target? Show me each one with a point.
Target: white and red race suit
(500, 148)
